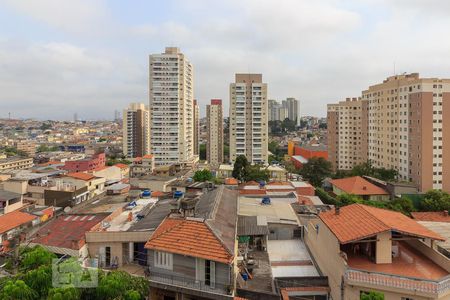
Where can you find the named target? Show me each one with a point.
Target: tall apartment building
(171, 108)
(29, 147)
(273, 110)
(293, 108)
(406, 120)
(136, 125)
(248, 118)
(214, 124)
(347, 133)
(196, 127)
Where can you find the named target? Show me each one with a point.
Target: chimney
(337, 210)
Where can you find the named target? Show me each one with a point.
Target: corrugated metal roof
(249, 226)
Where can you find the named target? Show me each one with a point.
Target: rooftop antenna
(9, 115)
(394, 68)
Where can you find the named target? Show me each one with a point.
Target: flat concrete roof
(290, 258)
(276, 212)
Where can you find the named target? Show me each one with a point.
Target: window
(163, 260)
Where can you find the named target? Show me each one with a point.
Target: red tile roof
(67, 231)
(355, 222)
(252, 192)
(14, 219)
(231, 181)
(358, 186)
(147, 156)
(431, 216)
(81, 176)
(157, 193)
(188, 237)
(122, 166)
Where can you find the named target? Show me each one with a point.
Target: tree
(119, 284)
(435, 200)
(316, 170)
(40, 279)
(202, 152)
(66, 293)
(17, 289)
(203, 175)
(323, 126)
(367, 169)
(403, 205)
(347, 199)
(240, 168)
(371, 296)
(257, 173)
(32, 258)
(288, 125)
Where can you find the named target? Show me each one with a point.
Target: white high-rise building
(171, 108)
(249, 118)
(293, 110)
(136, 136)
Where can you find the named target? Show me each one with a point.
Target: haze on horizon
(90, 57)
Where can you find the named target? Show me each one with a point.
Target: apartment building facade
(249, 118)
(293, 108)
(196, 127)
(347, 133)
(136, 134)
(407, 120)
(15, 163)
(214, 125)
(171, 107)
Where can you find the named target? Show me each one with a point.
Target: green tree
(347, 199)
(66, 293)
(256, 173)
(403, 205)
(367, 169)
(435, 200)
(325, 197)
(316, 170)
(240, 168)
(17, 289)
(371, 296)
(203, 175)
(288, 125)
(202, 152)
(117, 284)
(40, 279)
(32, 258)
(323, 126)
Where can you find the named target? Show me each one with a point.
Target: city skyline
(92, 56)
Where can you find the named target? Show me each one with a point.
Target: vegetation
(45, 148)
(203, 175)
(34, 281)
(202, 152)
(435, 200)
(316, 170)
(371, 296)
(277, 152)
(367, 169)
(244, 171)
(12, 151)
(113, 161)
(277, 127)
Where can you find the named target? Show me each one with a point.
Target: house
(439, 222)
(192, 253)
(10, 201)
(111, 174)
(15, 163)
(362, 248)
(12, 225)
(117, 189)
(124, 169)
(65, 235)
(142, 166)
(95, 185)
(359, 186)
(301, 154)
(153, 182)
(87, 164)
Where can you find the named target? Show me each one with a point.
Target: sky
(90, 57)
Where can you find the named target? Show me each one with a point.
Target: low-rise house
(153, 182)
(439, 222)
(111, 174)
(12, 225)
(142, 166)
(362, 248)
(95, 185)
(124, 169)
(117, 189)
(87, 164)
(65, 235)
(192, 253)
(359, 186)
(10, 201)
(15, 163)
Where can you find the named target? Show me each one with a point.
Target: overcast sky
(90, 57)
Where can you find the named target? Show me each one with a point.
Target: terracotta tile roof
(147, 156)
(188, 237)
(100, 168)
(358, 221)
(121, 166)
(137, 159)
(432, 216)
(157, 193)
(231, 181)
(14, 219)
(279, 183)
(81, 176)
(358, 186)
(252, 192)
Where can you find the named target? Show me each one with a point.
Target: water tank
(189, 179)
(177, 194)
(146, 193)
(265, 200)
(262, 184)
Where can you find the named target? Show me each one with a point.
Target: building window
(163, 260)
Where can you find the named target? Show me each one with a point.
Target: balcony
(189, 283)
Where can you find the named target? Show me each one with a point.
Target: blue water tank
(178, 194)
(244, 276)
(146, 193)
(262, 184)
(265, 200)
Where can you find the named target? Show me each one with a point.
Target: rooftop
(431, 216)
(6, 195)
(346, 225)
(443, 229)
(276, 212)
(14, 219)
(358, 186)
(67, 231)
(81, 176)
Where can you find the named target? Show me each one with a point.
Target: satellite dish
(67, 209)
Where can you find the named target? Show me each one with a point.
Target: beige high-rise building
(407, 117)
(29, 147)
(171, 108)
(347, 133)
(196, 127)
(136, 136)
(249, 118)
(214, 124)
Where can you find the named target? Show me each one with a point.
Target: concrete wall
(16, 186)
